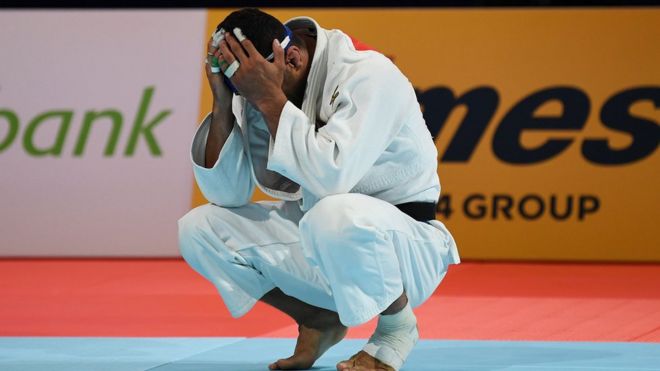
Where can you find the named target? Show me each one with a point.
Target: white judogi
(335, 240)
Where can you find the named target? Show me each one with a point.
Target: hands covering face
(255, 78)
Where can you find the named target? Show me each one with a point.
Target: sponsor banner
(96, 113)
(546, 123)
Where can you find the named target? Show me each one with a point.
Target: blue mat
(240, 354)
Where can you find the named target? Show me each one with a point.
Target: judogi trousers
(350, 253)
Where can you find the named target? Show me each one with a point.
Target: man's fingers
(236, 48)
(249, 47)
(210, 48)
(245, 43)
(226, 52)
(222, 63)
(278, 53)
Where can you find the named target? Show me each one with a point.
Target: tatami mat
(235, 354)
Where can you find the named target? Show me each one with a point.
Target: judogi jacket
(374, 140)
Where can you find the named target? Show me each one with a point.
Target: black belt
(420, 211)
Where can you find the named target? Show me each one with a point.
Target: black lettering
(539, 208)
(506, 141)
(502, 203)
(437, 104)
(588, 205)
(444, 206)
(554, 207)
(616, 115)
(480, 209)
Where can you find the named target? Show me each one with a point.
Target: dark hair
(261, 28)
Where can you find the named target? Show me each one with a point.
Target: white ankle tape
(394, 338)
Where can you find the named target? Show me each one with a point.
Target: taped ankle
(394, 338)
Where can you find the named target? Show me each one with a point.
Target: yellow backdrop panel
(575, 75)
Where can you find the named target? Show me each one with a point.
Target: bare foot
(362, 361)
(311, 344)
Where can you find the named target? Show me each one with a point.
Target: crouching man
(337, 136)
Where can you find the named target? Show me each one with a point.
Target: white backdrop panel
(77, 62)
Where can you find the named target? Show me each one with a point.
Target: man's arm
(222, 118)
(371, 107)
(222, 123)
(220, 164)
(334, 158)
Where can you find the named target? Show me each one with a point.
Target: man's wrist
(271, 109)
(221, 106)
(274, 103)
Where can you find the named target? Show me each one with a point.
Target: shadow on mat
(221, 366)
(431, 358)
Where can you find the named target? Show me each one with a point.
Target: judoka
(337, 137)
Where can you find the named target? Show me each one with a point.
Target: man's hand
(258, 80)
(222, 96)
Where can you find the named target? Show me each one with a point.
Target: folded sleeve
(229, 182)
(335, 158)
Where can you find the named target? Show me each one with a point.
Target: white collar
(317, 71)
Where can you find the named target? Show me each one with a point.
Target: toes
(344, 365)
(291, 363)
(280, 364)
(362, 361)
(348, 364)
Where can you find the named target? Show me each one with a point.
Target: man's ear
(294, 57)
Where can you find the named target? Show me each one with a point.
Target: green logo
(142, 127)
